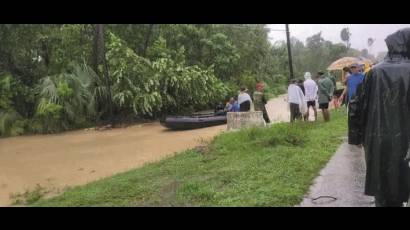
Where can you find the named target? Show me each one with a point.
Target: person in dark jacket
(379, 118)
(301, 86)
(244, 100)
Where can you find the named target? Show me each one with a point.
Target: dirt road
(78, 157)
(277, 109)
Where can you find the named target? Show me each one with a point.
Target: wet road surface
(341, 182)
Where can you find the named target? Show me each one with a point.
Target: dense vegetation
(60, 77)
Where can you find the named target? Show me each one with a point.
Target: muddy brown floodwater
(78, 157)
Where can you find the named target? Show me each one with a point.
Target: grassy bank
(256, 167)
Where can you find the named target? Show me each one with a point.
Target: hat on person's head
(308, 75)
(259, 85)
(354, 65)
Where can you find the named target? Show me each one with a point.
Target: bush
(66, 100)
(7, 121)
(134, 86)
(50, 115)
(185, 88)
(167, 85)
(248, 80)
(6, 93)
(279, 84)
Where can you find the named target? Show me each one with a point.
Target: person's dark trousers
(382, 201)
(265, 116)
(245, 106)
(294, 112)
(345, 102)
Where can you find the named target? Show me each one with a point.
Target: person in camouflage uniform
(260, 101)
(408, 160)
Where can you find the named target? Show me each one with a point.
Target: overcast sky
(360, 33)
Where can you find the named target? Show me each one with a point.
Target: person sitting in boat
(244, 100)
(235, 107)
(229, 104)
(220, 110)
(232, 105)
(219, 107)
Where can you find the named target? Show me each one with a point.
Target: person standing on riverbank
(310, 94)
(296, 100)
(352, 82)
(259, 101)
(326, 88)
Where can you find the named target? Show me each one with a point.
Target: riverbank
(257, 167)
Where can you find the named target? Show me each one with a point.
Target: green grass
(28, 197)
(255, 167)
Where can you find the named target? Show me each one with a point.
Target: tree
(147, 39)
(219, 52)
(315, 41)
(289, 52)
(99, 59)
(97, 56)
(370, 42)
(345, 35)
(316, 52)
(149, 69)
(364, 53)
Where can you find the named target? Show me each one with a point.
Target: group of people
(243, 102)
(302, 95)
(378, 115)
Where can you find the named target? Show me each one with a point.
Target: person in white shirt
(296, 101)
(244, 100)
(311, 90)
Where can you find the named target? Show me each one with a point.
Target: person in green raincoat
(259, 101)
(326, 88)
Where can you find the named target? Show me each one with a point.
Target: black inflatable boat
(194, 121)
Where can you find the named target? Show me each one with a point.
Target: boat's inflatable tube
(193, 122)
